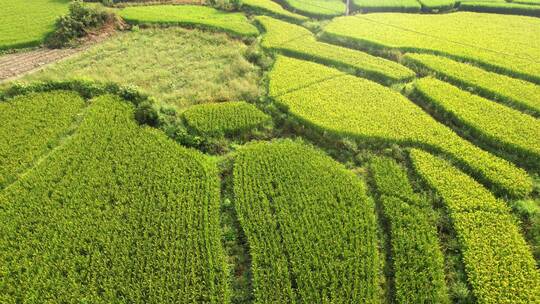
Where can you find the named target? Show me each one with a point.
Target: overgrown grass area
(26, 23)
(176, 66)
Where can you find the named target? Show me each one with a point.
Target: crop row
(501, 8)
(486, 39)
(496, 124)
(498, 262)
(417, 260)
(348, 106)
(294, 40)
(31, 125)
(405, 6)
(227, 118)
(188, 15)
(309, 224)
(516, 93)
(119, 213)
(269, 7)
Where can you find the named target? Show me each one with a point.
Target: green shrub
(343, 106)
(308, 220)
(77, 23)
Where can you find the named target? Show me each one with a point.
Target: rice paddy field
(273, 152)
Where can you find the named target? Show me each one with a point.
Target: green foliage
(212, 69)
(188, 15)
(498, 262)
(77, 23)
(117, 213)
(316, 8)
(500, 126)
(26, 23)
(348, 106)
(405, 6)
(418, 263)
(31, 125)
(487, 39)
(514, 92)
(227, 118)
(297, 41)
(269, 7)
(309, 224)
(501, 8)
(437, 5)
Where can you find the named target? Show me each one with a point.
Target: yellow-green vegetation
(189, 15)
(272, 8)
(406, 6)
(437, 5)
(309, 225)
(316, 8)
(227, 118)
(500, 126)
(516, 93)
(348, 106)
(417, 260)
(498, 261)
(501, 42)
(297, 41)
(32, 125)
(26, 23)
(501, 8)
(118, 213)
(176, 66)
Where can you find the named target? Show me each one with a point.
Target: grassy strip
(315, 8)
(498, 261)
(352, 107)
(117, 213)
(531, 2)
(462, 35)
(418, 262)
(514, 92)
(310, 226)
(269, 7)
(228, 118)
(501, 8)
(496, 124)
(26, 23)
(31, 124)
(437, 5)
(405, 6)
(212, 67)
(297, 41)
(189, 15)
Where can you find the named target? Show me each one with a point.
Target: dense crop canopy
(514, 92)
(317, 8)
(31, 125)
(498, 261)
(309, 224)
(272, 8)
(227, 118)
(348, 106)
(488, 39)
(297, 41)
(119, 213)
(406, 6)
(418, 263)
(188, 15)
(502, 8)
(26, 23)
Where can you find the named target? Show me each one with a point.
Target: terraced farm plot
(498, 262)
(117, 212)
(270, 7)
(31, 126)
(510, 44)
(228, 118)
(188, 15)
(26, 23)
(309, 224)
(405, 6)
(180, 67)
(347, 106)
(516, 93)
(501, 8)
(297, 41)
(500, 126)
(316, 8)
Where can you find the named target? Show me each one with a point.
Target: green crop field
(26, 23)
(265, 151)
